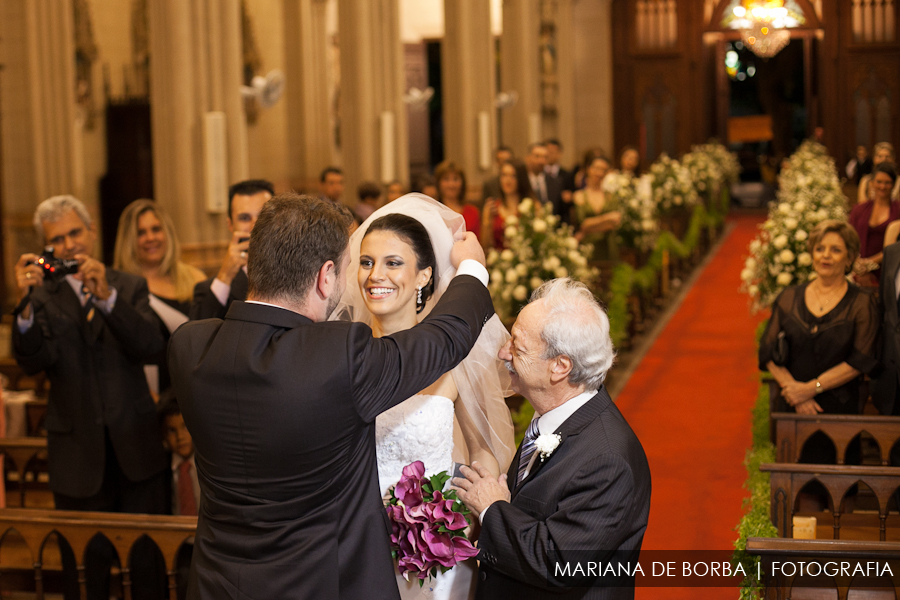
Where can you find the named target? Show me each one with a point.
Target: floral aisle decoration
(729, 165)
(809, 194)
(537, 249)
(672, 187)
(639, 226)
(427, 524)
(704, 169)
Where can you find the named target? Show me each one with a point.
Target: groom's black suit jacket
(282, 413)
(590, 497)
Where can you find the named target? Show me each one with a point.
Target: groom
(578, 490)
(281, 405)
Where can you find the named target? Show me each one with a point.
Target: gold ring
(28, 275)
(243, 254)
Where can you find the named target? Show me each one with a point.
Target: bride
(402, 255)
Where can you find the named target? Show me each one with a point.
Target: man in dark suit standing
(886, 387)
(213, 296)
(556, 171)
(90, 332)
(546, 189)
(281, 405)
(580, 482)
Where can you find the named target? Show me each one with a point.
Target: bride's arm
(475, 442)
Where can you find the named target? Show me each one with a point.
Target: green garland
(626, 279)
(756, 521)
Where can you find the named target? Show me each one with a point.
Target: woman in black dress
(146, 245)
(821, 336)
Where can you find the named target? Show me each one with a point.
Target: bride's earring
(419, 296)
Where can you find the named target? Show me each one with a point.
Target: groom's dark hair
(293, 237)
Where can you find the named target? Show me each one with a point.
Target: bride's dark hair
(413, 233)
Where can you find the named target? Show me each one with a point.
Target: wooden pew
(792, 431)
(780, 586)
(78, 528)
(787, 480)
(778, 405)
(30, 456)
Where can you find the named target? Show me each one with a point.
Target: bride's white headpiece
(481, 379)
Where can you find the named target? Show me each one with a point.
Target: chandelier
(763, 26)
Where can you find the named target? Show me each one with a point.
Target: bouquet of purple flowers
(427, 524)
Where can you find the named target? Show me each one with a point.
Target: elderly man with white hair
(578, 491)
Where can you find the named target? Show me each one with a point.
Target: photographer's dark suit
(282, 414)
(590, 497)
(205, 305)
(98, 392)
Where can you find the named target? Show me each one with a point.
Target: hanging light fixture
(763, 25)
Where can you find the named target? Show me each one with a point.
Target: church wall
(593, 56)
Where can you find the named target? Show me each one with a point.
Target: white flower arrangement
(672, 186)
(639, 226)
(704, 170)
(729, 166)
(809, 193)
(537, 249)
(546, 443)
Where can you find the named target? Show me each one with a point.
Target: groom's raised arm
(385, 371)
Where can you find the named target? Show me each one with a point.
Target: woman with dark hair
(514, 187)
(146, 245)
(630, 161)
(871, 220)
(402, 260)
(821, 336)
(595, 217)
(451, 192)
(883, 153)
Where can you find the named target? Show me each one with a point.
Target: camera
(55, 268)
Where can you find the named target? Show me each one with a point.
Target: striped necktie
(528, 448)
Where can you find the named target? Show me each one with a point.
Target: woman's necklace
(828, 298)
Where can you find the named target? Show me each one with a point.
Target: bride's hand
(466, 249)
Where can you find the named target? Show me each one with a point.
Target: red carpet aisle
(689, 402)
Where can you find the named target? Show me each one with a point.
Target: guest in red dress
(871, 219)
(514, 187)
(451, 192)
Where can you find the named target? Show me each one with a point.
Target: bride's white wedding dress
(421, 428)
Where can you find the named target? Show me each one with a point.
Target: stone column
(565, 120)
(195, 70)
(307, 91)
(593, 70)
(520, 72)
(40, 128)
(374, 139)
(469, 87)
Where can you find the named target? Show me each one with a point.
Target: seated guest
(394, 190)
(146, 245)
(451, 192)
(369, 194)
(595, 216)
(213, 296)
(514, 188)
(331, 184)
(630, 161)
(884, 152)
(588, 496)
(871, 220)
(90, 332)
(821, 336)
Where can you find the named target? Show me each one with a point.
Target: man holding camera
(89, 328)
(213, 296)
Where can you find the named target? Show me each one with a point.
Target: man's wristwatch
(819, 388)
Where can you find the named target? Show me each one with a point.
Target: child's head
(176, 437)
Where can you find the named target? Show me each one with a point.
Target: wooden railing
(792, 431)
(787, 480)
(29, 454)
(78, 528)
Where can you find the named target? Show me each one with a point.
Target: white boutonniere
(546, 443)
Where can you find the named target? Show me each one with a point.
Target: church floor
(689, 402)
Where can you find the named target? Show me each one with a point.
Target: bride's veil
(481, 379)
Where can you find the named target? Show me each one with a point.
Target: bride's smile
(389, 276)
